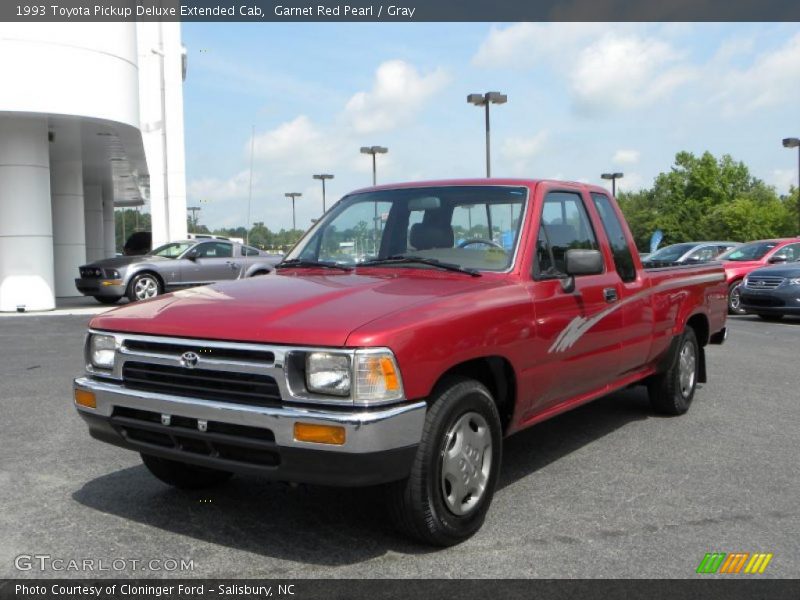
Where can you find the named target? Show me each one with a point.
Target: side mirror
(191, 255)
(584, 262)
(777, 259)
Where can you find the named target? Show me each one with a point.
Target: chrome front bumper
(379, 443)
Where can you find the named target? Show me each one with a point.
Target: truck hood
(287, 307)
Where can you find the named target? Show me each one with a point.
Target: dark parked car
(772, 292)
(689, 253)
(172, 266)
(140, 242)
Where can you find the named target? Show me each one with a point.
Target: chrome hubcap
(735, 299)
(146, 287)
(466, 463)
(687, 369)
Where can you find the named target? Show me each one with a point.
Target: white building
(91, 118)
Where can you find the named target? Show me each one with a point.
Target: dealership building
(91, 118)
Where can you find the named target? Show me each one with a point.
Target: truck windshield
(472, 227)
(754, 251)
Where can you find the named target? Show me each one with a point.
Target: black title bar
(399, 11)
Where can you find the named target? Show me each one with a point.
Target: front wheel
(144, 286)
(672, 392)
(735, 299)
(183, 475)
(446, 497)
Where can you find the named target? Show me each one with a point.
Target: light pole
(795, 143)
(293, 195)
(485, 100)
(322, 177)
(250, 185)
(613, 177)
(373, 150)
(194, 210)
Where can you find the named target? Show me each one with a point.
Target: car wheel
(144, 286)
(445, 498)
(770, 317)
(108, 299)
(183, 475)
(735, 299)
(672, 392)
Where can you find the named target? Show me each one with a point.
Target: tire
(734, 301)
(770, 317)
(108, 299)
(183, 475)
(432, 505)
(672, 392)
(144, 286)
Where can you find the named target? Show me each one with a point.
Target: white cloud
(625, 157)
(397, 94)
(296, 146)
(524, 44)
(626, 71)
(770, 80)
(212, 188)
(783, 179)
(519, 152)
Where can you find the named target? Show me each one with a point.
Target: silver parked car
(172, 266)
(688, 253)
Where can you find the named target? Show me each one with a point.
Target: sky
(583, 98)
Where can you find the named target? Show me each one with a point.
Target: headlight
(328, 373)
(377, 377)
(112, 274)
(102, 349)
(795, 281)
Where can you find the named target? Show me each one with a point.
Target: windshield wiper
(300, 263)
(400, 259)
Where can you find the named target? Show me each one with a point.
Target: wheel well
(497, 374)
(259, 272)
(699, 323)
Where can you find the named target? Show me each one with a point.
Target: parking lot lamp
(485, 100)
(373, 150)
(293, 196)
(322, 177)
(795, 143)
(613, 177)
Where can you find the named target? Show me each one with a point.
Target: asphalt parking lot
(609, 490)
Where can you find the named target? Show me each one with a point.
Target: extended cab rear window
(623, 258)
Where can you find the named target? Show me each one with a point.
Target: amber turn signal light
(319, 434)
(84, 398)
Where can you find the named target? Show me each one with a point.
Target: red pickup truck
(411, 329)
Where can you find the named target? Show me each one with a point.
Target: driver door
(209, 262)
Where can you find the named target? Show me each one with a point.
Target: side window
(564, 226)
(248, 251)
(615, 232)
(791, 252)
(215, 250)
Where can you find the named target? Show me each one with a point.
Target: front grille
(206, 384)
(225, 441)
(763, 282)
(206, 351)
(91, 273)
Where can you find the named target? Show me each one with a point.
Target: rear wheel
(108, 299)
(183, 475)
(735, 298)
(144, 286)
(770, 317)
(672, 392)
(445, 498)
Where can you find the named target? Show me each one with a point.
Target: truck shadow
(330, 526)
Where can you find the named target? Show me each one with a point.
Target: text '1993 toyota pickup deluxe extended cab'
(411, 329)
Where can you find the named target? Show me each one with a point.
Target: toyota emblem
(189, 359)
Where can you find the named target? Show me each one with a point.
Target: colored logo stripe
(732, 563)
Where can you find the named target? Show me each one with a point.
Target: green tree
(703, 198)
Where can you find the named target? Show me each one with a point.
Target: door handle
(610, 294)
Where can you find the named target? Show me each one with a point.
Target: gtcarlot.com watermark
(47, 562)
